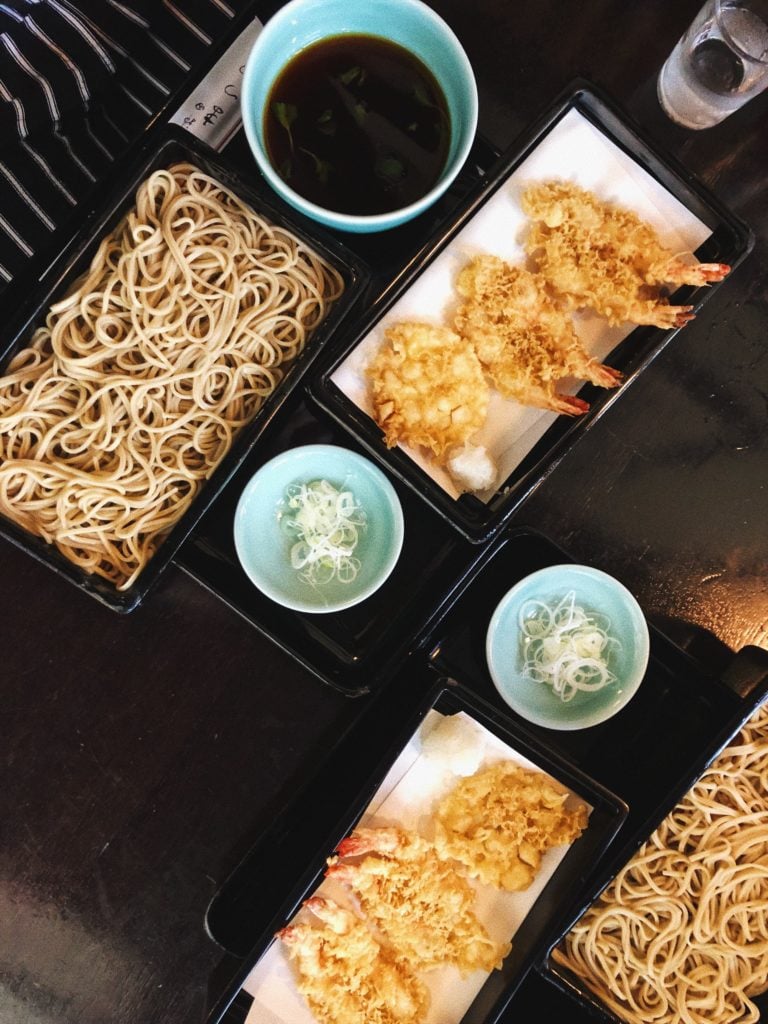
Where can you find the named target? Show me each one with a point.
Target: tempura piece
(427, 388)
(598, 256)
(499, 821)
(525, 342)
(345, 976)
(420, 902)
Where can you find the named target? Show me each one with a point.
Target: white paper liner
(423, 772)
(576, 150)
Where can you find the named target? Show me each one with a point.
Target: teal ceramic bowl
(413, 25)
(264, 546)
(600, 596)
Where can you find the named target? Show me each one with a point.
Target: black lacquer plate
(547, 910)
(356, 650)
(729, 242)
(649, 754)
(161, 149)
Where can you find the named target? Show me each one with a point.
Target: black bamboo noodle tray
(162, 150)
(648, 755)
(448, 698)
(729, 242)
(748, 676)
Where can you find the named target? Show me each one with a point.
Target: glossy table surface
(142, 755)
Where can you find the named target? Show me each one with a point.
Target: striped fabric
(79, 81)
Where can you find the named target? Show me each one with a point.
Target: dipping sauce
(357, 124)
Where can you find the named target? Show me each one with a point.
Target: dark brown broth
(357, 124)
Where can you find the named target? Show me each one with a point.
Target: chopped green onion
(326, 523)
(566, 647)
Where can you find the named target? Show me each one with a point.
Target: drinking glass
(719, 64)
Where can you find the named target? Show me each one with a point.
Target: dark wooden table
(142, 755)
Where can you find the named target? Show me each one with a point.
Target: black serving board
(729, 243)
(655, 747)
(648, 755)
(161, 149)
(355, 650)
(448, 697)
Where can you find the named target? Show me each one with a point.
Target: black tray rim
(476, 521)
(172, 143)
(608, 815)
(358, 677)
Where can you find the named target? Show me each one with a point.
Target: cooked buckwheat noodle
(129, 396)
(681, 933)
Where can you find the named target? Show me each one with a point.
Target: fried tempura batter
(417, 900)
(499, 821)
(427, 388)
(599, 256)
(525, 342)
(346, 977)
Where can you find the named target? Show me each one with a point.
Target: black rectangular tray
(530, 938)
(160, 150)
(649, 754)
(356, 650)
(749, 670)
(659, 743)
(729, 243)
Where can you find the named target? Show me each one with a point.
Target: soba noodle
(130, 395)
(681, 933)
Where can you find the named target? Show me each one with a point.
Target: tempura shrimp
(524, 340)
(346, 976)
(417, 900)
(599, 256)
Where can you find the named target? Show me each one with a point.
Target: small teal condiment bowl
(596, 592)
(411, 24)
(264, 547)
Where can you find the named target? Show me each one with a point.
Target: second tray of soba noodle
(131, 393)
(681, 933)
